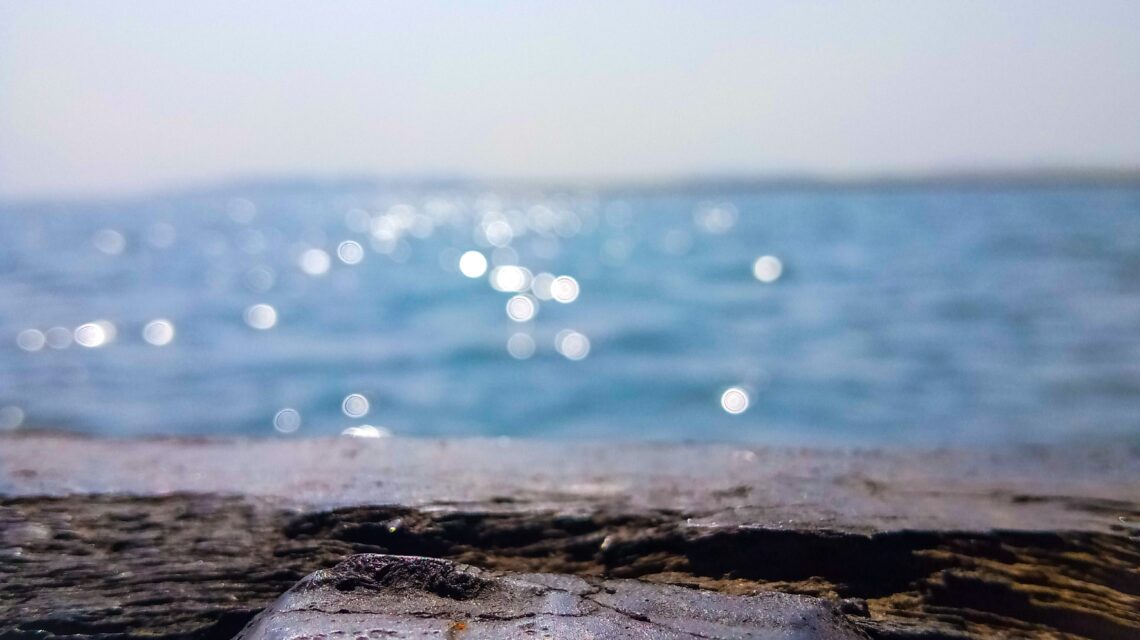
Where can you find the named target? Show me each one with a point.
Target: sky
(116, 97)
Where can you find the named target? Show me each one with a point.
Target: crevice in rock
(194, 567)
(1078, 583)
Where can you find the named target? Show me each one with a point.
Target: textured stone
(1029, 489)
(382, 596)
(188, 540)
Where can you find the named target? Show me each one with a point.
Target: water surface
(918, 316)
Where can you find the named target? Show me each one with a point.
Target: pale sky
(108, 97)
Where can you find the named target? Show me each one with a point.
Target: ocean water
(919, 316)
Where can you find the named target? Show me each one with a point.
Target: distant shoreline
(696, 184)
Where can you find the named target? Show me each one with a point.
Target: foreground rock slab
(385, 596)
(167, 539)
(716, 485)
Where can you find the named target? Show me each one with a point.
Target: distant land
(695, 183)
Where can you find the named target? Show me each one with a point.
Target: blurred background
(812, 223)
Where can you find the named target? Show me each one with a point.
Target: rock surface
(382, 596)
(1044, 489)
(187, 540)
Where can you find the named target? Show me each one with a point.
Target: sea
(929, 315)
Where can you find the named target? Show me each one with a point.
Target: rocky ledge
(380, 596)
(193, 539)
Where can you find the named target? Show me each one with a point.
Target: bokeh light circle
(11, 417)
(734, 400)
(572, 345)
(350, 252)
(564, 289)
(91, 335)
(159, 332)
(366, 431)
(31, 340)
(315, 262)
(767, 269)
(355, 405)
(287, 420)
(520, 346)
(521, 308)
(473, 264)
(261, 317)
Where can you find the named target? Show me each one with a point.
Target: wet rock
(380, 596)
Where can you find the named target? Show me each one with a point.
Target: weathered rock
(380, 596)
(717, 485)
(188, 540)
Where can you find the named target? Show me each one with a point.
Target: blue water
(909, 316)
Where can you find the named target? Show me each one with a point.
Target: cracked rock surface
(385, 596)
(167, 539)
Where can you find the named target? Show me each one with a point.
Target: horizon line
(1045, 177)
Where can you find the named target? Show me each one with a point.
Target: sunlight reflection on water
(864, 317)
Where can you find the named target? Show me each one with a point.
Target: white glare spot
(350, 252)
(564, 289)
(510, 278)
(158, 332)
(744, 455)
(109, 241)
(499, 233)
(473, 264)
(315, 262)
(261, 316)
(366, 431)
(287, 421)
(355, 405)
(58, 337)
(31, 340)
(520, 346)
(90, 335)
(109, 330)
(734, 400)
(11, 417)
(541, 286)
(521, 308)
(572, 345)
(767, 268)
